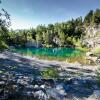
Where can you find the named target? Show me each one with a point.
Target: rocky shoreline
(19, 87)
(20, 80)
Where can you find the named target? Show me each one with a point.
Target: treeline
(92, 18)
(65, 34)
(59, 34)
(4, 32)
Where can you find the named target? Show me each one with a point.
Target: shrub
(3, 45)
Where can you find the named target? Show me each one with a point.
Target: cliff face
(92, 38)
(92, 31)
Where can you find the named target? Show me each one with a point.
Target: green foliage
(62, 38)
(50, 73)
(46, 38)
(3, 38)
(88, 18)
(96, 17)
(82, 48)
(45, 35)
(20, 37)
(39, 38)
(80, 59)
(4, 24)
(92, 18)
(96, 51)
(65, 34)
(3, 45)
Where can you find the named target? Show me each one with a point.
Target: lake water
(45, 53)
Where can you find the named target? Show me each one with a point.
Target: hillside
(65, 34)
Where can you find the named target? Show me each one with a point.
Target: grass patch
(84, 49)
(96, 51)
(50, 73)
(81, 60)
(51, 58)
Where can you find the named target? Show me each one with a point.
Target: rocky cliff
(92, 38)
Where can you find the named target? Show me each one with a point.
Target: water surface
(57, 53)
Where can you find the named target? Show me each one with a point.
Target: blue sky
(30, 13)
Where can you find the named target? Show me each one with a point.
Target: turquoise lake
(46, 53)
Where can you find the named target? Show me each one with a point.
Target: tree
(78, 28)
(40, 28)
(39, 38)
(70, 28)
(46, 38)
(33, 33)
(79, 22)
(4, 18)
(62, 38)
(58, 34)
(51, 27)
(96, 17)
(88, 18)
(4, 24)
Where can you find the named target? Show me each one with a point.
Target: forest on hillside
(65, 34)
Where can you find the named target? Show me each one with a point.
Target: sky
(26, 14)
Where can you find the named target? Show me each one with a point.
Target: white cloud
(17, 23)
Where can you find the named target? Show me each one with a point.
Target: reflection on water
(51, 52)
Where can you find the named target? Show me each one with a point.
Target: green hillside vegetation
(4, 24)
(65, 34)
